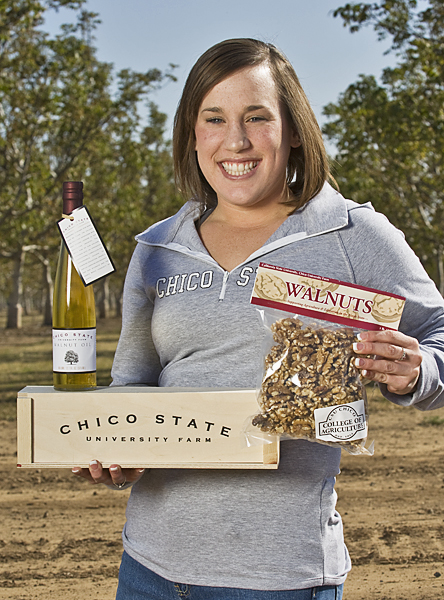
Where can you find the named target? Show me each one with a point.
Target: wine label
(74, 350)
(85, 246)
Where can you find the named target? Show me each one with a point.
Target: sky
(145, 34)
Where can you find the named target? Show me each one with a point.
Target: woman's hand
(115, 475)
(396, 362)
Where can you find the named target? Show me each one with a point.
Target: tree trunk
(15, 309)
(102, 302)
(27, 304)
(118, 303)
(48, 290)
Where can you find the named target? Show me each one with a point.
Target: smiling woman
(307, 167)
(249, 152)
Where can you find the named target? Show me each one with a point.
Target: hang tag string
(70, 217)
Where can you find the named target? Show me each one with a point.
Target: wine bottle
(74, 315)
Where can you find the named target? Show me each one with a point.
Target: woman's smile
(238, 169)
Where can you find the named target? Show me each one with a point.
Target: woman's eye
(256, 119)
(214, 120)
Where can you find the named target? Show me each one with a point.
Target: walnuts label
(328, 299)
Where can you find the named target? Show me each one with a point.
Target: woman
(248, 149)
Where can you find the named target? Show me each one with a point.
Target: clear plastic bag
(310, 387)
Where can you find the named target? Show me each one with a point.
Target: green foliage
(390, 135)
(432, 421)
(390, 17)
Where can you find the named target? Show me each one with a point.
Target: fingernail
(114, 469)
(359, 362)
(93, 463)
(140, 470)
(357, 346)
(76, 470)
(364, 372)
(362, 335)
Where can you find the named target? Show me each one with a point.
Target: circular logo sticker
(342, 422)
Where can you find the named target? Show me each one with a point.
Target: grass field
(26, 358)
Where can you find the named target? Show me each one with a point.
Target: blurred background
(88, 90)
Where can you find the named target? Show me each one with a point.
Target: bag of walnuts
(309, 386)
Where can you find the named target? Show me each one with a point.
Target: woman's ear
(295, 140)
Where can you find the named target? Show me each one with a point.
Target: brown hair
(308, 162)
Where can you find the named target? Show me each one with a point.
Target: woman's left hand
(396, 361)
(115, 475)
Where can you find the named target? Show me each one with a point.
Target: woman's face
(243, 139)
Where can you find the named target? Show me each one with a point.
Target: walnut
(316, 370)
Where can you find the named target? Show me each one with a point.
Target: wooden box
(139, 427)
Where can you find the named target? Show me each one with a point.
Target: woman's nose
(236, 138)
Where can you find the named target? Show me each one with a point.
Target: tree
(59, 120)
(390, 135)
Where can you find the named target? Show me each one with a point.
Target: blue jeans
(136, 582)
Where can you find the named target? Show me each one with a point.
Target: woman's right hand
(115, 475)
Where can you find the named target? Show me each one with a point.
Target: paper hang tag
(85, 246)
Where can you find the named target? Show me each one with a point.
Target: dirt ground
(60, 537)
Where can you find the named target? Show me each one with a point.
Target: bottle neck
(69, 204)
(72, 195)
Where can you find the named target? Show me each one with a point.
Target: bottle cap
(73, 189)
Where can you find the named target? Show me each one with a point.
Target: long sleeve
(136, 361)
(392, 266)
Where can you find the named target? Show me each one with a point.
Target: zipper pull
(224, 286)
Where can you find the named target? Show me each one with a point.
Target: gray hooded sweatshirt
(189, 323)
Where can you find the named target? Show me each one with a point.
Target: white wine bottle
(74, 315)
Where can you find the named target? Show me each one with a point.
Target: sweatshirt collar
(327, 211)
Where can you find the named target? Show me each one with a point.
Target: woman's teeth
(237, 169)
